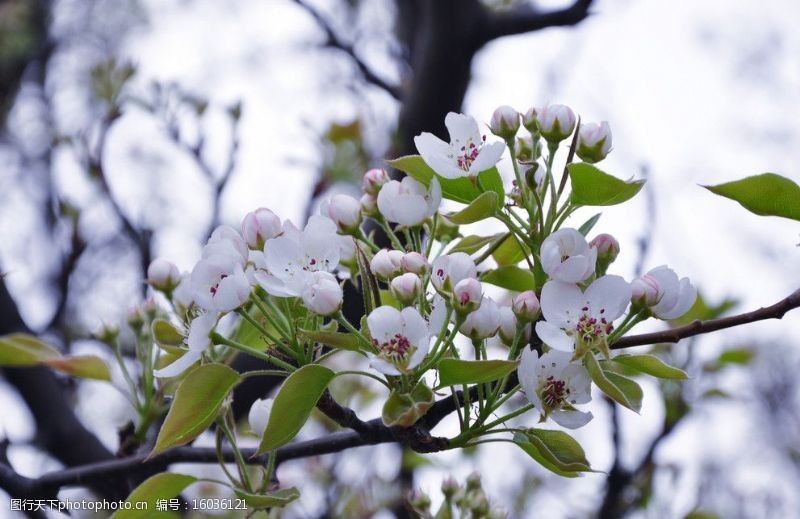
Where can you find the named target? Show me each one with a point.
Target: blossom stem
(240, 464)
(363, 237)
(265, 305)
(364, 374)
(551, 216)
(523, 187)
(432, 235)
(276, 341)
(390, 233)
(522, 410)
(219, 339)
(352, 329)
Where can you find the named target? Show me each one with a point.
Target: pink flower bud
(449, 269)
(414, 262)
(556, 122)
(529, 120)
(594, 141)
(526, 306)
(607, 248)
(260, 226)
(406, 288)
(344, 210)
(505, 122)
(373, 180)
(646, 290)
(483, 322)
(323, 295)
(386, 263)
(467, 295)
(163, 275)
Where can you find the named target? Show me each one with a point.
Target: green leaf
(161, 486)
(620, 389)
(81, 366)
(369, 283)
(651, 365)
(739, 356)
(473, 243)
(479, 209)
(590, 186)
(165, 334)
(293, 405)
(197, 403)
(511, 278)
(560, 449)
(459, 189)
(249, 334)
(535, 452)
(404, 409)
(589, 224)
(767, 194)
(342, 341)
(509, 252)
(457, 371)
(19, 349)
(276, 499)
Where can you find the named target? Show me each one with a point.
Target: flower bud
(467, 296)
(419, 501)
(345, 211)
(135, 319)
(526, 306)
(163, 275)
(449, 269)
(414, 262)
(406, 288)
(449, 487)
(529, 149)
(509, 326)
(258, 417)
(386, 263)
(474, 481)
(373, 180)
(505, 122)
(369, 205)
(107, 334)
(607, 250)
(483, 322)
(594, 141)
(556, 122)
(529, 120)
(646, 291)
(323, 295)
(260, 226)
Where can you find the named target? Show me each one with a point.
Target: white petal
(611, 293)
(180, 365)
(417, 357)
(462, 128)
(414, 327)
(429, 145)
(434, 198)
(199, 330)
(384, 322)
(686, 299)
(669, 285)
(561, 303)
(385, 367)
(273, 285)
(528, 371)
(488, 156)
(571, 419)
(554, 336)
(573, 270)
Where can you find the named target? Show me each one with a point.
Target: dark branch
(333, 41)
(526, 18)
(776, 311)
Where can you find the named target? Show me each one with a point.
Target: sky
(697, 93)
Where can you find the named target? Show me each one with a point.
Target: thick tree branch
(526, 18)
(776, 311)
(333, 41)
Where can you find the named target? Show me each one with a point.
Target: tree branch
(776, 311)
(526, 18)
(333, 41)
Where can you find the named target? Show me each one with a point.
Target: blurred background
(131, 128)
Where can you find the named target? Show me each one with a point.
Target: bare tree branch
(776, 311)
(526, 18)
(335, 42)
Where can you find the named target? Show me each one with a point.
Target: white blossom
(259, 226)
(401, 339)
(667, 296)
(483, 322)
(386, 263)
(408, 202)
(344, 210)
(567, 257)
(449, 269)
(219, 284)
(258, 417)
(322, 294)
(198, 342)
(162, 274)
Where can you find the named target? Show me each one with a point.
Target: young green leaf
(276, 499)
(161, 486)
(590, 186)
(197, 403)
(509, 252)
(479, 209)
(459, 189)
(369, 283)
(651, 365)
(589, 224)
(81, 366)
(165, 334)
(404, 409)
(293, 405)
(533, 451)
(457, 371)
(19, 350)
(767, 194)
(560, 449)
(342, 341)
(473, 243)
(620, 389)
(511, 278)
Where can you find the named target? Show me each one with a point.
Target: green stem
(219, 339)
(352, 329)
(364, 374)
(363, 237)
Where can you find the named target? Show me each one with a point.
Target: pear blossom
(198, 342)
(467, 153)
(582, 320)
(322, 294)
(373, 180)
(509, 325)
(259, 226)
(258, 417)
(163, 275)
(554, 385)
(525, 306)
(505, 122)
(219, 284)
(467, 295)
(409, 202)
(529, 120)
(386, 263)
(226, 241)
(483, 322)
(182, 295)
(406, 288)
(401, 339)
(555, 122)
(567, 257)
(607, 247)
(449, 269)
(344, 210)
(594, 141)
(667, 296)
(290, 259)
(414, 262)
